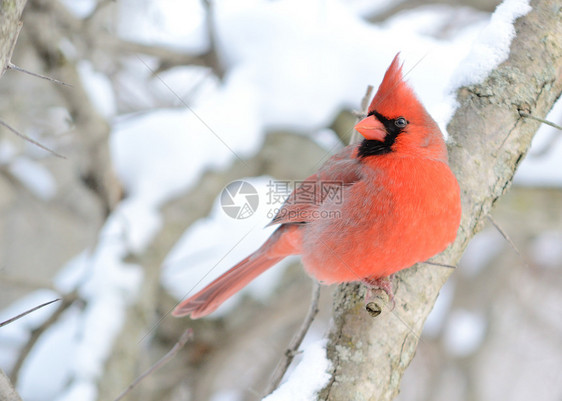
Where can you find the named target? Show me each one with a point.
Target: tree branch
(185, 337)
(10, 14)
(293, 347)
(34, 74)
(30, 140)
(67, 301)
(489, 139)
(90, 156)
(7, 392)
(27, 312)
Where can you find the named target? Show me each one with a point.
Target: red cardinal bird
(399, 205)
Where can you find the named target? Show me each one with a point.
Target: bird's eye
(400, 122)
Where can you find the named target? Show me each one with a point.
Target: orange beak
(371, 129)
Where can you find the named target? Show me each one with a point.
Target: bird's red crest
(394, 94)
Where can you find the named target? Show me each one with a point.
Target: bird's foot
(379, 293)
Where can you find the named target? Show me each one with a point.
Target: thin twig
(427, 262)
(67, 300)
(366, 99)
(27, 312)
(546, 147)
(508, 239)
(28, 139)
(295, 343)
(185, 337)
(34, 74)
(355, 136)
(542, 120)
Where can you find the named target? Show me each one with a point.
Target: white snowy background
(289, 64)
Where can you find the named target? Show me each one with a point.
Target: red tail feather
(276, 248)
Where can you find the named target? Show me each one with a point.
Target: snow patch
(546, 249)
(170, 23)
(37, 178)
(99, 89)
(464, 332)
(77, 346)
(80, 8)
(492, 46)
(308, 378)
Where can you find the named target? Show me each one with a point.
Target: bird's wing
(339, 171)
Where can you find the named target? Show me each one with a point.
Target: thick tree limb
(489, 139)
(10, 15)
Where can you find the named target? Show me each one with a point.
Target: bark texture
(489, 139)
(10, 14)
(7, 392)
